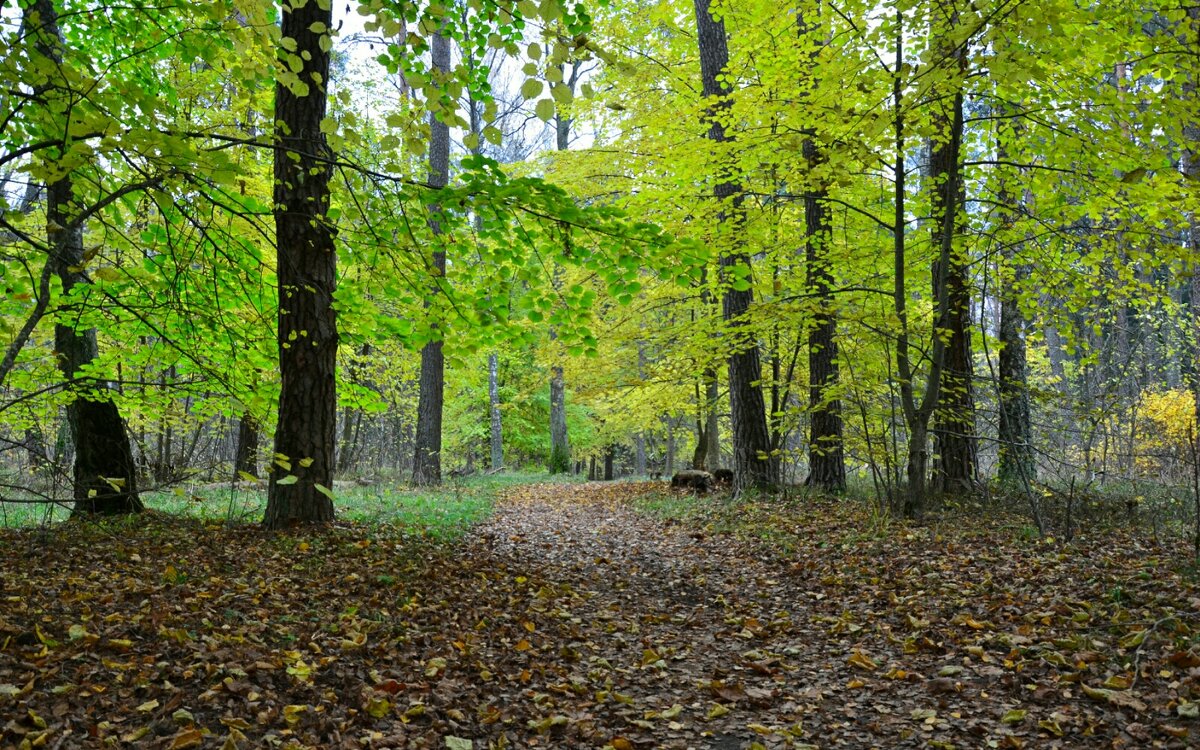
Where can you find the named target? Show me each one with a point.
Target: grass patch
(444, 511)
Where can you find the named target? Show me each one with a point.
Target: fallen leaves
(571, 621)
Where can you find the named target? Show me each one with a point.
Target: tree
(560, 442)
(105, 479)
(300, 489)
(826, 461)
(754, 464)
(427, 459)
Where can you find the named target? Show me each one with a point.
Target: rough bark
(609, 454)
(246, 456)
(826, 461)
(954, 419)
(305, 434)
(496, 434)
(754, 464)
(105, 479)
(427, 457)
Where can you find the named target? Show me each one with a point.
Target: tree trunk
(608, 464)
(105, 478)
(305, 435)
(427, 456)
(246, 458)
(496, 436)
(1191, 171)
(754, 464)
(560, 445)
(669, 466)
(826, 460)
(1016, 466)
(954, 419)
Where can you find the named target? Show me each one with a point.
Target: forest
(423, 303)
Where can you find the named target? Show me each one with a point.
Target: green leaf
(545, 109)
(531, 88)
(289, 479)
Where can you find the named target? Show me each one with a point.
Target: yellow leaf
(1016, 716)
(293, 713)
(717, 711)
(862, 661)
(148, 706)
(523, 645)
(1118, 682)
(187, 739)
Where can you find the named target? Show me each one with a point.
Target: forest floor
(599, 615)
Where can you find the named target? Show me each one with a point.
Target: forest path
(661, 630)
(571, 618)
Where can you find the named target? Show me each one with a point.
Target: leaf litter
(571, 619)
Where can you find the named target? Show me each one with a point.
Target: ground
(606, 614)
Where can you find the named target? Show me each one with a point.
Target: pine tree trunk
(105, 478)
(305, 434)
(496, 436)
(427, 457)
(753, 463)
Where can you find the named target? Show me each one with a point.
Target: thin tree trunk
(427, 457)
(608, 464)
(754, 463)
(1016, 465)
(105, 478)
(246, 458)
(496, 436)
(1191, 171)
(301, 480)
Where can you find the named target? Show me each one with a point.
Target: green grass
(444, 511)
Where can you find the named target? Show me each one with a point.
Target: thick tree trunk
(954, 419)
(826, 461)
(427, 458)
(105, 478)
(608, 464)
(754, 465)
(246, 457)
(305, 435)
(495, 436)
